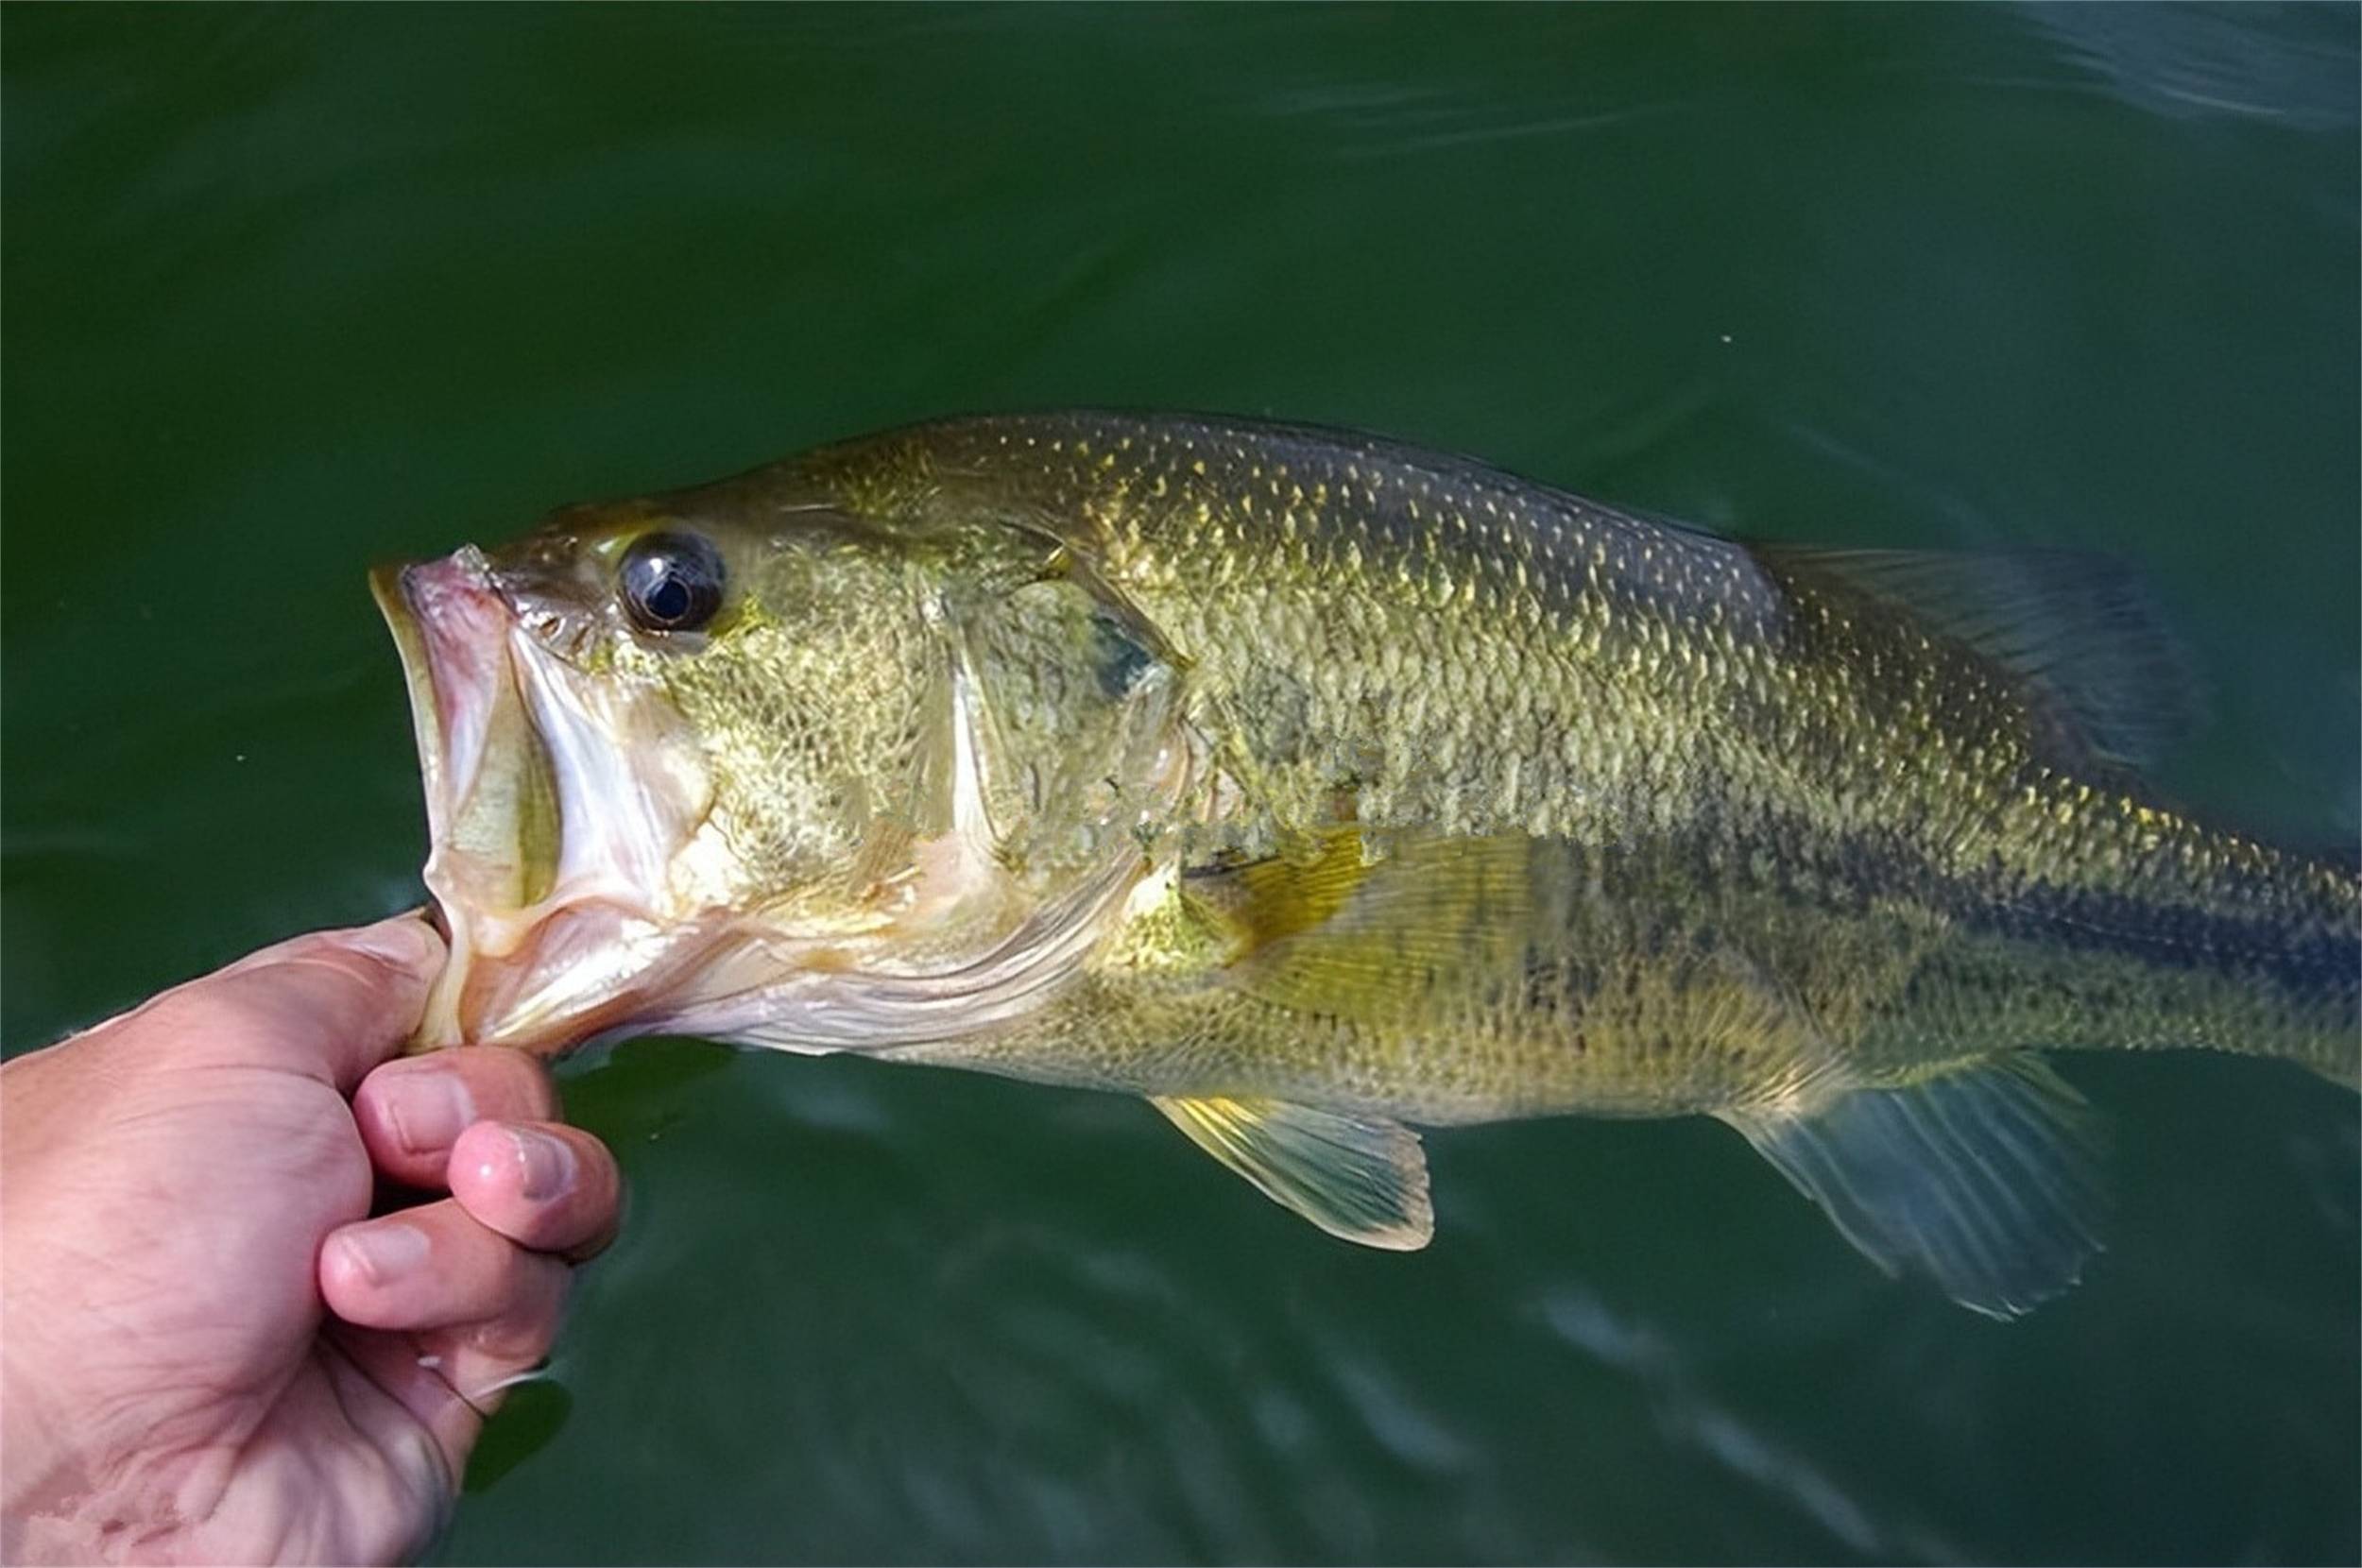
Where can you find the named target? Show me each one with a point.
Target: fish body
(1310, 784)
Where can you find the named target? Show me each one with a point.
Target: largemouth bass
(1310, 785)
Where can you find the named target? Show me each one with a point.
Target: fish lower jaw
(544, 977)
(599, 961)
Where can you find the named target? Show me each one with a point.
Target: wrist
(32, 1461)
(63, 1501)
(41, 1486)
(46, 1479)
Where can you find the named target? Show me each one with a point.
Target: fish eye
(671, 582)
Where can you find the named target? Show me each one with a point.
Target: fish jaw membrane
(556, 805)
(1980, 1178)
(448, 624)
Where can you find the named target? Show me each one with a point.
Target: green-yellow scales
(1310, 785)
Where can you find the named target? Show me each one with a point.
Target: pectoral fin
(1980, 1179)
(1340, 934)
(1363, 1178)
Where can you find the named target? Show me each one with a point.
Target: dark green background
(290, 291)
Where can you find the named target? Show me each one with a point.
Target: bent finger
(434, 1267)
(411, 1111)
(480, 1361)
(451, 1379)
(542, 1184)
(392, 1399)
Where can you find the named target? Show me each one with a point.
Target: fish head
(760, 767)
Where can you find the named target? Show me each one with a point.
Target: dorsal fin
(2084, 629)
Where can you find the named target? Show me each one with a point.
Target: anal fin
(1363, 1178)
(1982, 1178)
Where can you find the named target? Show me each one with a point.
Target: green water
(291, 291)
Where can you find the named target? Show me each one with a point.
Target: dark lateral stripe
(2313, 960)
(2319, 964)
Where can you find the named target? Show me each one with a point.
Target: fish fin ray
(1338, 934)
(2085, 629)
(774, 1037)
(1980, 1178)
(1282, 896)
(1363, 1178)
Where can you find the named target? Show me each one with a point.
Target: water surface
(291, 291)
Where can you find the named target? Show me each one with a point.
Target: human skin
(210, 1349)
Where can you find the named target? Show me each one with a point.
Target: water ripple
(2197, 60)
(1687, 1413)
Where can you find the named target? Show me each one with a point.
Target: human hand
(211, 1351)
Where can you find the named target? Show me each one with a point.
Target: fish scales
(1427, 646)
(1308, 784)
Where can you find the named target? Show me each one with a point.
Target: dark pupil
(671, 582)
(668, 601)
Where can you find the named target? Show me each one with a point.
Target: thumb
(331, 1004)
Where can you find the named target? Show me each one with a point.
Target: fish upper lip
(453, 671)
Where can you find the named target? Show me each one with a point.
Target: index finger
(331, 1004)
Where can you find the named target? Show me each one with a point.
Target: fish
(1317, 788)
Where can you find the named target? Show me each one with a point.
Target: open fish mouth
(551, 840)
(491, 799)
(591, 888)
